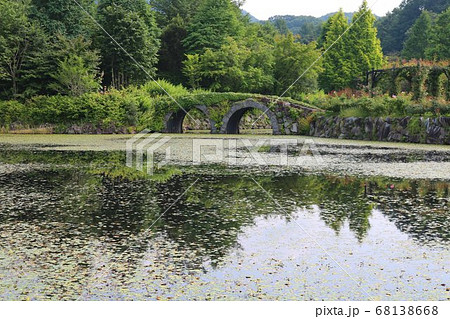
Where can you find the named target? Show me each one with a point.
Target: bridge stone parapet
(283, 116)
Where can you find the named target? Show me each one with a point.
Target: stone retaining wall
(407, 129)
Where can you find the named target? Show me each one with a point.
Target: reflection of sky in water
(287, 263)
(67, 233)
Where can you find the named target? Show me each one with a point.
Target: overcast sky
(263, 9)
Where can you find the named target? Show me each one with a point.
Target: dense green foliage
(132, 25)
(337, 70)
(77, 69)
(364, 46)
(429, 37)
(93, 63)
(234, 67)
(212, 24)
(350, 105)
(21, 40)
(351, 50)
(418, 37)
(74, 78)
(34, 50)
(173, 18)
(64, 17)
(299, 59)
(393, 27)
(439, 48)
(255, 65)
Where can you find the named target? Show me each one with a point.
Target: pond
(73, 226)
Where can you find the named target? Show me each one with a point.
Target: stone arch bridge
(284, 116)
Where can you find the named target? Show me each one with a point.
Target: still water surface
(68, 232)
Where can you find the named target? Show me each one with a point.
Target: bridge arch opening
(255, 121)
(232, 122)
(196, 119)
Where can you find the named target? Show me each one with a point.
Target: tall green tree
(166, 10)
(173, 17)
(74, 78)
(337, 70)
(172, 52)
(363, 43)
(348, 54)
(21, 45)
(77, 66)
(64, 47)
(439, 48)
(132, 24)
(418, 37)
(236, 66)
(213, 23)
(64, 17)
(323, 33)
(293, 61)
(65, 23)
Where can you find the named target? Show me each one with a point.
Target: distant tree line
(393, 28)
(307, 27)
(408, 31)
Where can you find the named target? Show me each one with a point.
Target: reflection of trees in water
(97, 205)
(218, 207)
(212, 213)
(210, 216)
(340, 199)
(28, 195)
(418, 208)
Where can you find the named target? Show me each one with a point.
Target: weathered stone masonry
(407, 129)
(285, 119)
